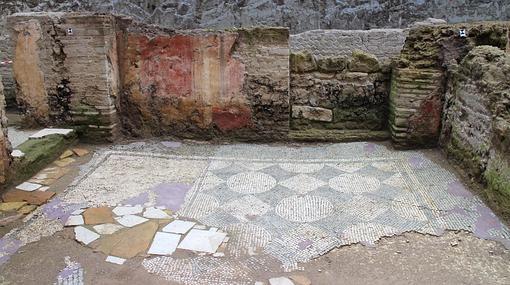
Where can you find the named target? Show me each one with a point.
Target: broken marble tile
(64, 162)
(280, 281)
(218, 254)
(34, 198)
(178, 227)
(85, 235)
(94, 216)
(11, 206)
(153, 213)
(204, 241)
(78, 212)
(44, 188)
(127, 210)
(164, 243)
(107, 229)
(17, 153)
(29, 187)
(46, 132)
(74, 221)
(130, 220)
(200, 227)
(80, 151)
(45, 182)
(128, 243)
(115, 260)
(66, 154)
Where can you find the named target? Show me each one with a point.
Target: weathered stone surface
(233, 83)
(34, 198)
(363, 62)
(302, 62)
(94, 216)
(25, 210)
(312, 113)
(29, 74)
(384, 44)
(5, 145)
(332, 64)
(67, 78)
(358, 101)
(12, 206)
(421, 85)
(129, 242)
(478, 118)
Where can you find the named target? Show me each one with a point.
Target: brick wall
(420, 84)
(65, 67)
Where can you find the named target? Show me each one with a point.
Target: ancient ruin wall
(299, 16)
(339, 97)
(382, 43)
(420, 82)
(479, 121)
(340, 83)
(5, 145)
(205, 84)
(65, 68)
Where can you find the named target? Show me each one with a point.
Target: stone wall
(479, 121)
(205, 84)
(339, 97)
(5, 145)
(382, 43)
(420, 80)
(65, 68)
(299, 16)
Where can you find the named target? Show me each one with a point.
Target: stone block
(312, 113)
(363, 62)
(302, 62)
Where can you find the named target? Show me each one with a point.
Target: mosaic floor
(277, 203)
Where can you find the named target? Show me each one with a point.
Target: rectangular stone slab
(34, 198)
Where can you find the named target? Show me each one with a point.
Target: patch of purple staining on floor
(369, 148)
(57, 210)
(69, 271)
(137, 200)
(171, 195)
(8, 247)
(416, 162)
(305, 244)
(456, 188)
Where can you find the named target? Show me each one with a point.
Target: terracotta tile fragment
(34, 198)
(95, 216)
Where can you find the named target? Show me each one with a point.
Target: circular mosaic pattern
(304, 208)
(354, 183)
(251, 182)
(301, 168)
